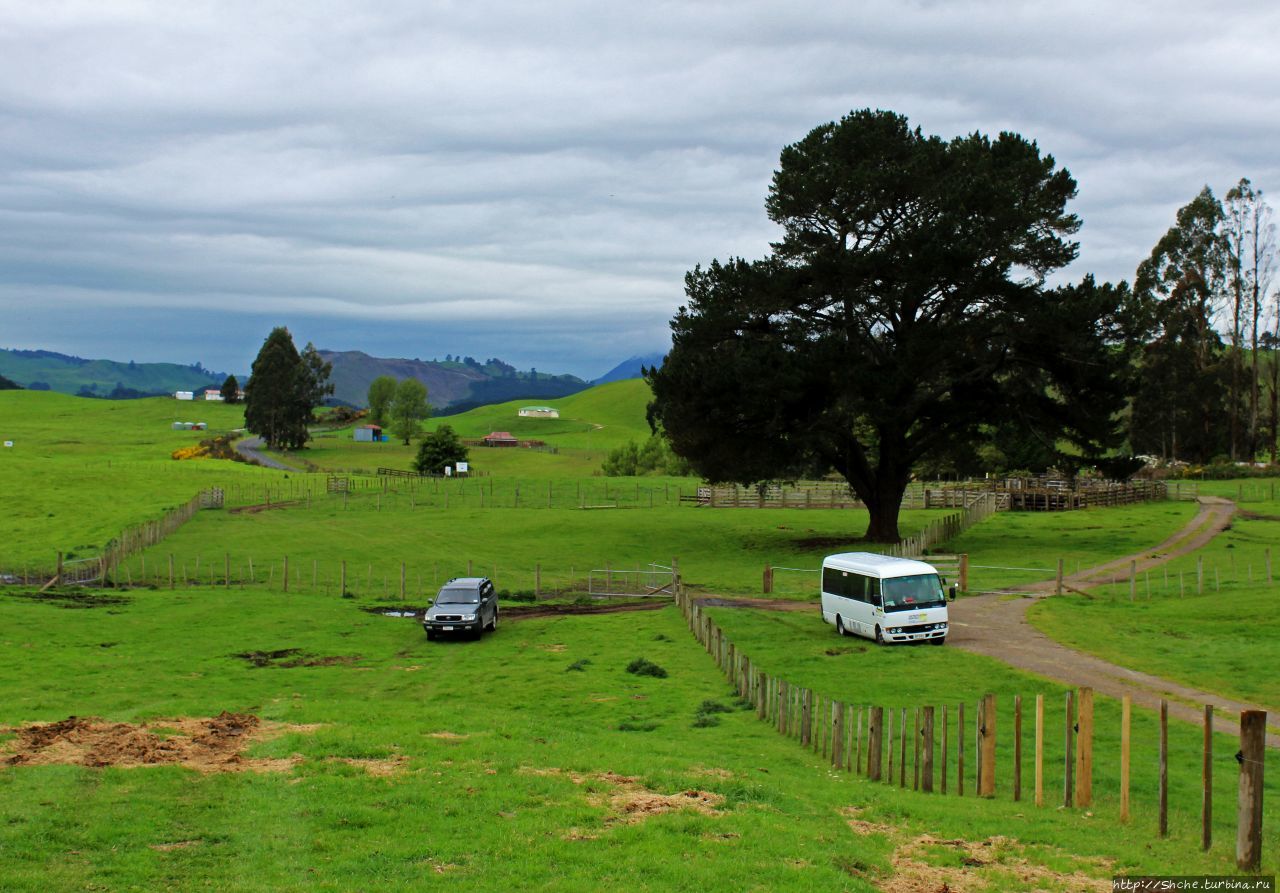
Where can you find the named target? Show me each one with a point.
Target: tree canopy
(283, 391)
(904, 307)
(230, 390)
(439, 449)
(382, 390)
(408, 407)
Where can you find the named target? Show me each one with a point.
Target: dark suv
(464, 605)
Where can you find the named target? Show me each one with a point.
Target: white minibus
(883, 598)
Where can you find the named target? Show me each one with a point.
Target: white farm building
(539, 412)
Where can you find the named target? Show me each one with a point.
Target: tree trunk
(884, 502)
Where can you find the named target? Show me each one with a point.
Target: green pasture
(806, 652)
(498, 763)
(591, 424)
(470, 527)
(1010, 549)
(81, 469)
(1209, 620)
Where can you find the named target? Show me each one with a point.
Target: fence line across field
(834, 729)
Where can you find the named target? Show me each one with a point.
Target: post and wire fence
(952, 748)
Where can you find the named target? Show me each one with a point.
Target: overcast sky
(531, 181)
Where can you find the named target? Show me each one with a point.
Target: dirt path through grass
(996, 625)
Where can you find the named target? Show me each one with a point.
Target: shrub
(642, 667)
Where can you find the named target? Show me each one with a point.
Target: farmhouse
(539, 412)
(214, 394)
(500, 439)
(369, 434)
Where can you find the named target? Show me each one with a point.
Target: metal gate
(653, 580)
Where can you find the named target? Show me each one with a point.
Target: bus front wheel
(840, 626)
(880, 636)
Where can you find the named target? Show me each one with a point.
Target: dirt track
(996, 625)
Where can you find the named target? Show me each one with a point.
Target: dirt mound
(210, 745)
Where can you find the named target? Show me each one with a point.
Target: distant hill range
(453, 385)
(45, 370)
(630, 368)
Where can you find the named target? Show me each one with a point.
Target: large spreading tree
(904, 308)
(283, 391)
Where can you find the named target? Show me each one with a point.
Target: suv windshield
(912, 593)
(458, 597)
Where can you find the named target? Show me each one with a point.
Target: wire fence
(925, 747)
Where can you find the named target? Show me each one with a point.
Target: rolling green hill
(71, 375)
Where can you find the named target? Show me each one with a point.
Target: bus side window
(873, 592)
(856, 587)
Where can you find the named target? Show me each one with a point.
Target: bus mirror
(951, 593)
(875, 601)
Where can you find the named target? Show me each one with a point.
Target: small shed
(184, 395)
(368, 434)
(500, 439)
(539, 412)
(213, 394)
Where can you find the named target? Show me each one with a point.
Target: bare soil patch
(261, 507)
(213, 744)
(629, 801)
(522, 612)
(75, 599)
(295, 657)
(991, 864)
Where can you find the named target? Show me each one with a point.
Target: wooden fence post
(945, 749)
(960, 750)
(1039, 769)
(1084, 749)
(902, 747)
(1017, 748)
(170, 570)
(1068, 765)
(987, 731)
(925, 773)
(1253, 740)
(875, 720)
(768, 579)
(1126, 710)
(342, 579)
(889, 738)
(964, 572)
(915, 762)
(1164, 768)
(1206, 778)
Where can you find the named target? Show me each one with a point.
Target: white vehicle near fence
(883, 598)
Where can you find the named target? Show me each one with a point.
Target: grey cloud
(408, 173)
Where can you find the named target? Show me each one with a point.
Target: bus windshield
(912, 593)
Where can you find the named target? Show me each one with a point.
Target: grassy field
(1208, 620)
(591, 424)
(398, 764)
(1013, 548)
(532, 759)
(721, 550)
(801, 649)
(81, 469)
